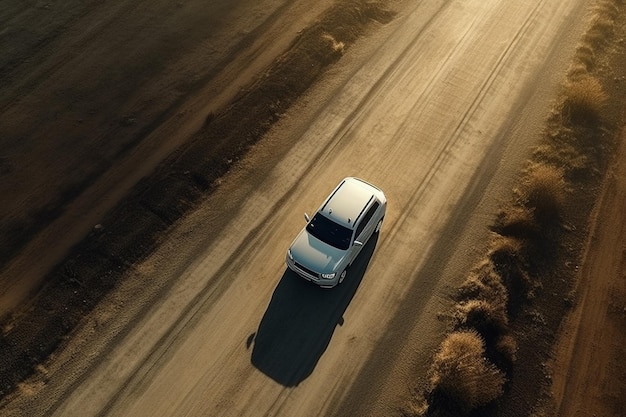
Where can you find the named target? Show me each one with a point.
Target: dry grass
(516, 222)
(601, 28)
(544, 193)
(585, 56)
(483, 283)
(507, 347)
(489, 320)
(584, 100)
(584, 96)
(599, 31)
(510, 261)
(510, 246)
(576, 165)
(462, 378)
(607, 9)
(578, 69)
(468, 369)
(483, 307)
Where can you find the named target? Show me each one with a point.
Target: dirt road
(437, 108)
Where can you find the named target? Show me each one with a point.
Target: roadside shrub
(577, 70)
(462, 379)
(435, 411)
(483, 283)
(512, 267)
(507, 347)
(516, 222)
(586, 56)
(584, 100)
(576, 164)
(601, 28)
(512, 246)
(607, 8)
(601, 24)
(349, 17)
(416, 407)
(544, 193)
(502, 352)
(488, 319)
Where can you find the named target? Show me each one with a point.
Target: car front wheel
(343, 275)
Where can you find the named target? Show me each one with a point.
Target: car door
(364, 230)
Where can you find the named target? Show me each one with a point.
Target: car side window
(367, 218)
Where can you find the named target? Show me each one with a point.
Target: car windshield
(329, 232)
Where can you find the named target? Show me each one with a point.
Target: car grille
(307, 270)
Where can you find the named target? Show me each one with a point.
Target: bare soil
(572, 336)
(131, 240)
(99, 95)
(588, 370)
(45, 306)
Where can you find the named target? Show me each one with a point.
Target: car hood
(315, 254)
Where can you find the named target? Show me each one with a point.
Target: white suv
(333, 238)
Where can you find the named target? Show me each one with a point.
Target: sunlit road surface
(426, 114)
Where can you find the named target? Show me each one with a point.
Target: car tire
(343, 275)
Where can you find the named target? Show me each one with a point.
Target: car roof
(348, 201)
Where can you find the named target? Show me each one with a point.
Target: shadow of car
(300, 320)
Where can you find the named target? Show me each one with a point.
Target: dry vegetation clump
(544, 194)
(470, 367)
(577, 70)
(516, 222)
(506, 346)
(489, 320)
(462, 379)
(585, 57)
(349, 17)
(609, 7)
(600, 29)
(482, 305)
(576, 165)
(584, 100)
(483, 283)
(511, 263)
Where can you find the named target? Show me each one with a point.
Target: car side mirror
(307, 218)
(358, 243)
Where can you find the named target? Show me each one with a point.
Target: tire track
(315, 160)
(453, 139)
(248, 245)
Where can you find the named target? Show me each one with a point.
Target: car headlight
(329, 276)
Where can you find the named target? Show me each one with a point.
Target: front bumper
(310, 275)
